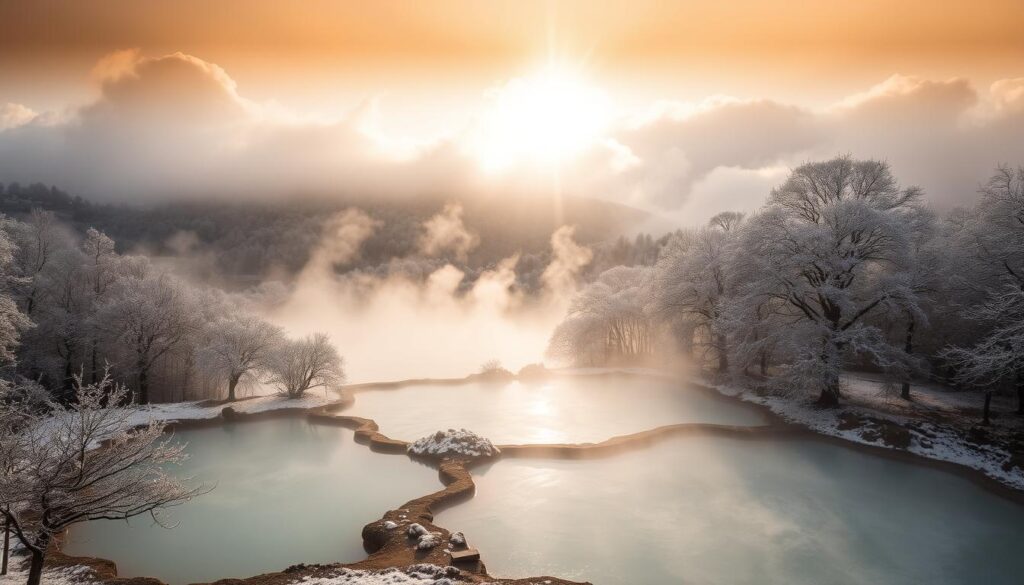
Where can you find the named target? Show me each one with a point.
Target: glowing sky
(675, 106)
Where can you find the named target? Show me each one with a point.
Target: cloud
(444, 233)
(13, 115)
(177, 125)
(1008, 96)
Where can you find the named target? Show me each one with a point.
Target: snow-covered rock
(457, 539)
(416, 530)
(428, 541)
(454, 442)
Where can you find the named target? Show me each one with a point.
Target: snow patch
(142, 415)
(932, 440)
(74, 575)
(454, 442)
(390, 525)
(428, 541)
(416, 530)
(422, 574)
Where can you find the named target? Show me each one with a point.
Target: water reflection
(725, 511)
(568, 409)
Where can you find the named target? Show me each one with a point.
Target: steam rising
(445, 233)
(392, 324)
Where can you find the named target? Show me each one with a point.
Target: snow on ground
(935, 419)
(195, 410)
(423, 574)
(17, 574)
(454, 442)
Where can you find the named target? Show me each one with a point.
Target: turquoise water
(286, 492)
(564, 409)
(701, 510)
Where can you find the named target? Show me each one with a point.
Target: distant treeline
(242, 242)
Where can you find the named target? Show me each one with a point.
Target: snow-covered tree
(148, 314)
(824, 253)
(692, 282)
(56, 477)
(990, 240)
(238, 346)
(607, 320)
(12, 321)
(995, 231)
(999, 356)
(54, 349)
(100, 272)
(300, 365)
(38, 240)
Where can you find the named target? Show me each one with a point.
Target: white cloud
(178, 125)
(12, 115)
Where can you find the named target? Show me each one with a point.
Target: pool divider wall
(393, 549)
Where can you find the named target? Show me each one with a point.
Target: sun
(543, 119)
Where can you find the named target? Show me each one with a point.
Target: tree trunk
(7, 546)
(143, 386)
(988, 407)
(68, 387)
(232, 382)
(723, 355)
(92, 369)
(35, 570)
(830, 389)
(908, 347)
(829, 395)
(1020, 392)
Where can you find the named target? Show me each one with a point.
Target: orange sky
(318, 54)
(683, 106)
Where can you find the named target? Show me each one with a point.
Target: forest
(843, 267)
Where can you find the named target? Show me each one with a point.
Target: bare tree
(79, 463)
(999, 356)
(308, 363)
(38, 240)
(607, 320)
(239, 346)
(100, 263)
(150, 315)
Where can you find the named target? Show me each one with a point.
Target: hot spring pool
(287, 492)
(702, 510)
(562, 409)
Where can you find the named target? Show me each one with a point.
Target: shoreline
(392, 549)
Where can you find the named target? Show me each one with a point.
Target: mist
(411, 318)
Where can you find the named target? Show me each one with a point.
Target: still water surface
(702, 510)
(286, 492)
(563, 409)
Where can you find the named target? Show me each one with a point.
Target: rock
(428, 541)
(416, 530)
